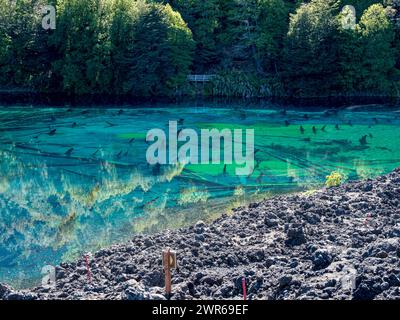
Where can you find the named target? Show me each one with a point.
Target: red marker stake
(367, 220)
(89, 274)
(244, 289)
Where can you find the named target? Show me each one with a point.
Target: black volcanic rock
(295, 234)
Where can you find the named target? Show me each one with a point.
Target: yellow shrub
(334, 180)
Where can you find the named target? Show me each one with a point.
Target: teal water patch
(73, 181)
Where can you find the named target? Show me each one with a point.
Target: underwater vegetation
(74, 180)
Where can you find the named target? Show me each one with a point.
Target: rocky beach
(338, 243)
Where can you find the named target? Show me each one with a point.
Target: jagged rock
(321, 259)
(271, 220)
(295, 235)
(4, 290)
(285, 281)
(20, 295)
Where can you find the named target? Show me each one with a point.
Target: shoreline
(29, 98)
(300, 246)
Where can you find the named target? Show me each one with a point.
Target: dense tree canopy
(99, 46)
(147, 48)
(378, 56)
(21, 39)
(311, 48)
(324, 57)
(83, 46)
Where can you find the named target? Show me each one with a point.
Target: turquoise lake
(74, 180)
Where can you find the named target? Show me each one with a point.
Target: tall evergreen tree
(83, 46)
(349, 54)
(203, 18)
(5, 42)
(252, 33)
(378, 55)
(393, 11)
(310, 61)
(20, 32)
(123, 34)
(156, 54)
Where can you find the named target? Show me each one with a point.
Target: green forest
(253, 48)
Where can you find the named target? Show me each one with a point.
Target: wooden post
(169, 262)
(168, 285)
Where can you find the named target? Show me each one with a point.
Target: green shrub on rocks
(335, 179)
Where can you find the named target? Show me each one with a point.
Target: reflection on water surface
(76, 180)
